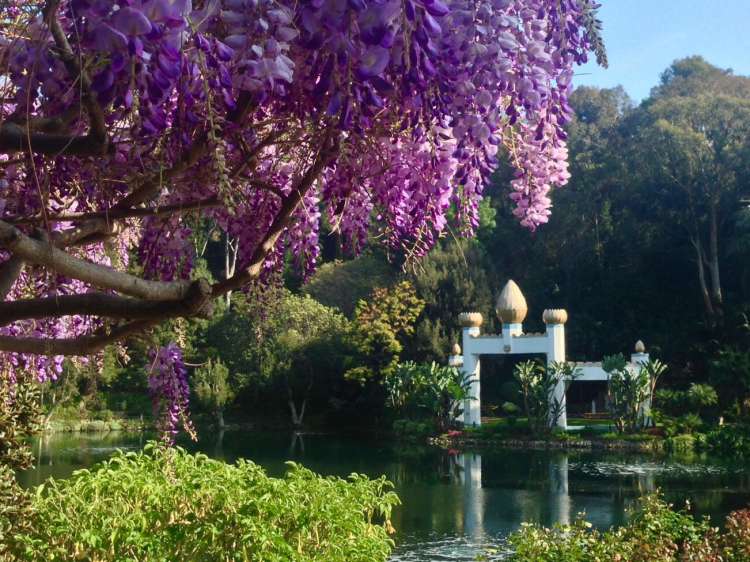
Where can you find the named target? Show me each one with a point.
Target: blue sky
(643, 37)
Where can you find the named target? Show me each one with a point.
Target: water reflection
(454, 506)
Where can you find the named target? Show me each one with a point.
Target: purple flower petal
(373, 63)
(131, 21)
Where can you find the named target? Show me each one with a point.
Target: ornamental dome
(456, 349)
(470, 319)
(511, 305)
(555, 316)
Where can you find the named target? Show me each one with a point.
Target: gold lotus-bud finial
(470, 319)
(511, 307)
(555, 316)
(640, 347)
(456, 349)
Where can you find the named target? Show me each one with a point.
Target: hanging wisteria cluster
(170, 393)
(124, 123)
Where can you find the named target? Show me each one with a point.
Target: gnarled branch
(197, 302)
(43, 253)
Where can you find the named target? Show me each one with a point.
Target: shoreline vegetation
(493, 435)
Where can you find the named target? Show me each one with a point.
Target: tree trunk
(220, 418)
(230, 261)
(699, 261)
(713, 263)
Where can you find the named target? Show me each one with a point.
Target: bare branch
(43, 253)
(123, 213)
(196, 302)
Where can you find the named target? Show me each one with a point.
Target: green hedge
(167, 505)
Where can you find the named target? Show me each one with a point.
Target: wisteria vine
(125, 123)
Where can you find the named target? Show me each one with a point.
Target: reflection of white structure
(559, 500)
(511, 309)
(471, 478)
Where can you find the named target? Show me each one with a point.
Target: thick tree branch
(84, 345)
(14, 138)
(43, 253)
(197, 302)
(122, 213)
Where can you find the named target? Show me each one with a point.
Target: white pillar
(472, 406)
(510, 330)
(556, 354)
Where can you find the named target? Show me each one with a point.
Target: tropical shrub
(537, 384)
(165, 504)
(655, 533)
(696, 399)
(431, 390)
(628, 392)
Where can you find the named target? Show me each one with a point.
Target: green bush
(510, 409)
(670, 407)
(655, 533)
(412, 430)
(168, 505)
(729, 440)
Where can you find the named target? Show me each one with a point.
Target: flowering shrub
(165, 504)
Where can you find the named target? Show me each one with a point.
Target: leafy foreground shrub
(168, 505)
(655, 533)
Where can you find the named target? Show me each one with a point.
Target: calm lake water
(454, 506)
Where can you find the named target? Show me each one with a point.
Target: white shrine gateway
(511, 309)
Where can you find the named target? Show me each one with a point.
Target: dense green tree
(342, 284)
(452, 279)
(381, 325)
(210, 383)
(696, 159)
